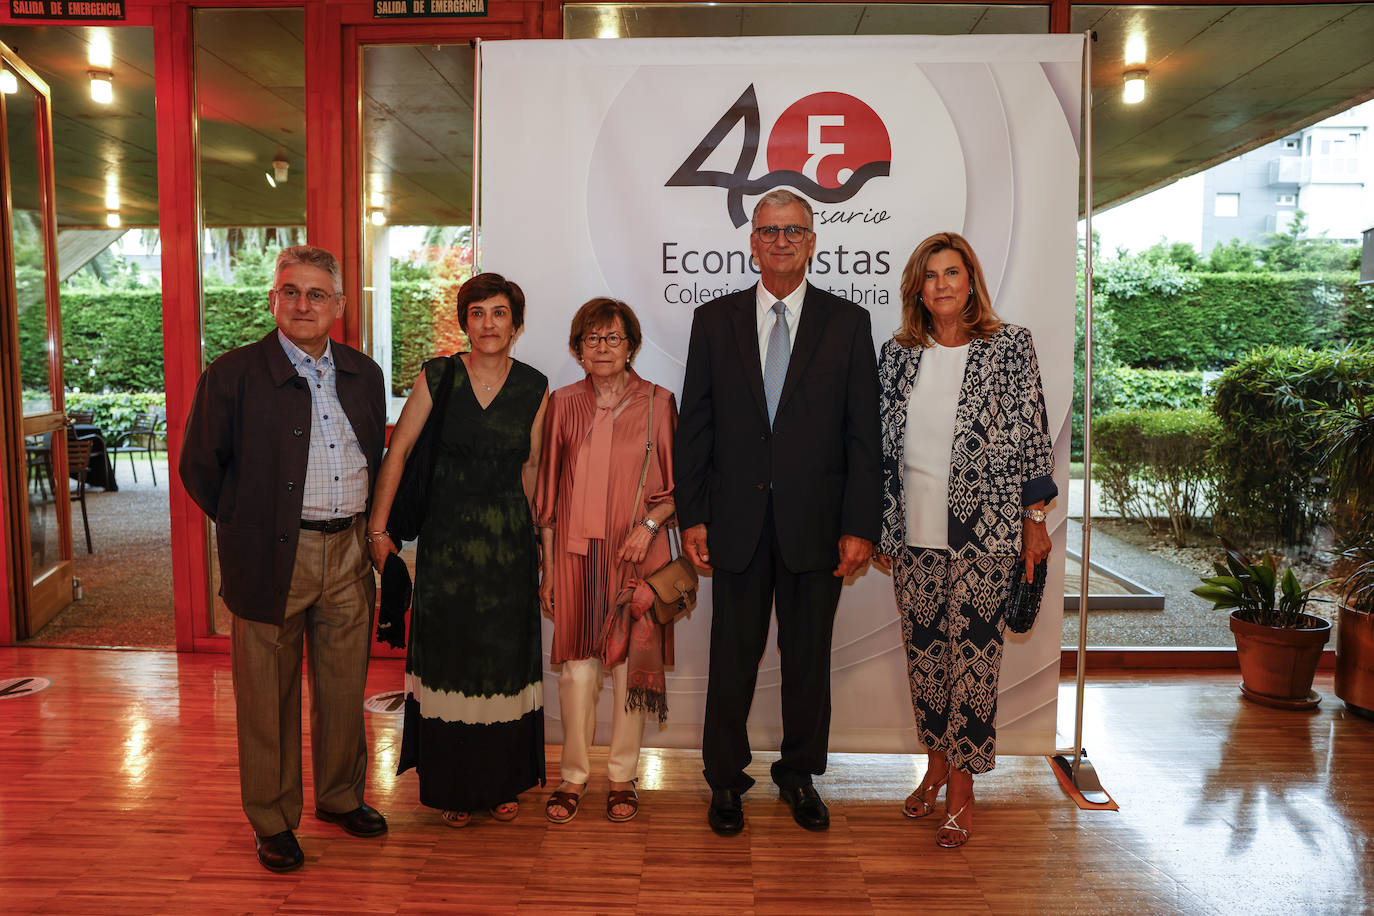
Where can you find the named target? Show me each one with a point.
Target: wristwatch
(1034, 515)
(652, 525)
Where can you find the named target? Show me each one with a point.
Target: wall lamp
(8, 84)
(102, 86)
(1133, 90)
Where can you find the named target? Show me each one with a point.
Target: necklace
(487, 386)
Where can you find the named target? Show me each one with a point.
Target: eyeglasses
(793, 234)
(614, 341)
(313, 295)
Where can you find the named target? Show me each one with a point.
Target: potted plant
(1278, 644)
(1355, 635)
(1348, 433)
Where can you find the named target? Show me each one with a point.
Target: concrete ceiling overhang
(1222, 80)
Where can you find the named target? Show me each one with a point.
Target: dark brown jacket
(244, 457)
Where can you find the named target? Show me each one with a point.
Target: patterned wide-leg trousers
(952, 627)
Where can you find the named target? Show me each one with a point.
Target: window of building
(1226, 205)
(1287, 200)
(1291, 143)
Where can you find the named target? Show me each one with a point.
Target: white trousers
(579, 685)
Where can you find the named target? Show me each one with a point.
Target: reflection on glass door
(38, 516)
(250, 112)
(417, 104)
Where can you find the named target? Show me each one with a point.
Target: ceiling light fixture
(379, 217)
(100, 52)
(1134, 89)
(280, 169)
(102, 86)
(8, 84)
(271, 182)
(1135, 49)
(112, 220)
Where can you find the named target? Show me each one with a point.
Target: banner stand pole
(1079, 770)
(476, 156)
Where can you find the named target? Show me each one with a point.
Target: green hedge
(1270, 446)
(1156, 464)
(114, 412)
(1158, 389)
(1221, 317)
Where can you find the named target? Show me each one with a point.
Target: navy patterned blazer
(1002, 459)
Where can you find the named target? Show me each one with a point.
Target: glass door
(37, 510)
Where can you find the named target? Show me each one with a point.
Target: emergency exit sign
(67, 9)
(412, 9)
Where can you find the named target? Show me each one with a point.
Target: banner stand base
(1087, 791)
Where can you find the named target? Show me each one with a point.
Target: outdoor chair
(140, 437)
(78, 462)
(81, 416)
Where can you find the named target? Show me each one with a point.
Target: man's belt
(329, 525)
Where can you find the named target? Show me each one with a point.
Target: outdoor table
(99, 473)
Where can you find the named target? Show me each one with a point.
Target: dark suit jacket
(244, 457)
(821, 457)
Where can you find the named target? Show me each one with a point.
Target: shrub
(1221, 317)
(1156, 464)
(1158, 389)
(114, 412)
(1268, 451)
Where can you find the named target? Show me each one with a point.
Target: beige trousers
(329, 607)
(579, 685)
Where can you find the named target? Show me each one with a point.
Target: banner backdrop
(630, 168)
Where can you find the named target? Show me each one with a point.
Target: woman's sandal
(565, 800)
(506, 811)
(456, 818)
(918, 797)
(620, 797)
(951, 835)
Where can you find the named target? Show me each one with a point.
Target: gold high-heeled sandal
(951, 824)
(927, 807)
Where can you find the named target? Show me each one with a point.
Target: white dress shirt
(792, 305)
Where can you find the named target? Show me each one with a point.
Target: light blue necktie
(775, 366)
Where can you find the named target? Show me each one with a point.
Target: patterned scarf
(632, 632)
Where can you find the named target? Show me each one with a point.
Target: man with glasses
(778, 490)
(282, 444)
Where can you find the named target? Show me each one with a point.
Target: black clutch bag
(411, 502)
(1022, 604)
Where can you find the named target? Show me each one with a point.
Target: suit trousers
(742, 603)
(329, 607)
(579, 685)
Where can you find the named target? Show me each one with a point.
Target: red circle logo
(827, 137)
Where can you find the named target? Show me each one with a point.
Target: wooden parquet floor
(119, 794)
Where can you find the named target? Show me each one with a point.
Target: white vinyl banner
(630, 169)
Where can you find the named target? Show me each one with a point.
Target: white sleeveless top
(929, 441)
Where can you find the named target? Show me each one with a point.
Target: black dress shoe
(726, 814)
(280, 851)
(363, 820)
(807, 808)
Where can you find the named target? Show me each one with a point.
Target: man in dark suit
(778, 490)
(282, 445)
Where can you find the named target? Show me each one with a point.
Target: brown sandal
(506, 811)
(622, 797)
(565, 800)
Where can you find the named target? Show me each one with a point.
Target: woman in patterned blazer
(967, 464)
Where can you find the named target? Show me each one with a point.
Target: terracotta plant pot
(1277, 664)
(1355, 661)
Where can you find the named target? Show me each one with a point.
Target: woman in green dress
(474, 709)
